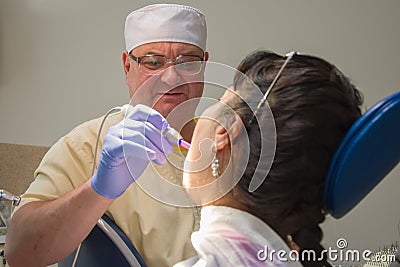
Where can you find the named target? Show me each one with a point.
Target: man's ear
(126, 62)
(223, 136)
(206, 56)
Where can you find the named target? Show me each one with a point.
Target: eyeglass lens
(184, 64)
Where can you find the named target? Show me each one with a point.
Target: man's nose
(170, 76)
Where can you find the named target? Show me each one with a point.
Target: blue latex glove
(128, 148)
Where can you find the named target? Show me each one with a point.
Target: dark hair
(313, 105)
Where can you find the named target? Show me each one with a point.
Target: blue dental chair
(368, 152)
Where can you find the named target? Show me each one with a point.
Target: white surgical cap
(165, 23)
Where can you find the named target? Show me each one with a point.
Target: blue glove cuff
(100, 189)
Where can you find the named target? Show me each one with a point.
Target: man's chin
(165, 108)
(166, 104)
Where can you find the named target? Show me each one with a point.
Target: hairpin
(288, 57)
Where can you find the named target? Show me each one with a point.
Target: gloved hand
(128, 148)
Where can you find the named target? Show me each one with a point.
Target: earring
(215, 165)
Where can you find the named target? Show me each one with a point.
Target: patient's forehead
(220, 105)
(228, 95)
(218, 114)
(221, 108)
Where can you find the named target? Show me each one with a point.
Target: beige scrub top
(160, 232)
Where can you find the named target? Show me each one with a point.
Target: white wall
(60, 65)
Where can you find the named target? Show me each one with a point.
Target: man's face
(168, 88)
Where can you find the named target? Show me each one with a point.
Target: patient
(261, 189)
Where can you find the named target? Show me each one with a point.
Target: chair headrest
(368, 152)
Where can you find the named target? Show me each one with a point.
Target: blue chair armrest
(106, 245)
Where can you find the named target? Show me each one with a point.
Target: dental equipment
(5, 195)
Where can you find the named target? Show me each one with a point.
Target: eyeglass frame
(168, 61)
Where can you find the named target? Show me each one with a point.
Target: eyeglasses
(186, 65)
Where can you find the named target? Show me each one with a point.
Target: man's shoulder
(90, 129)
(82, 138)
